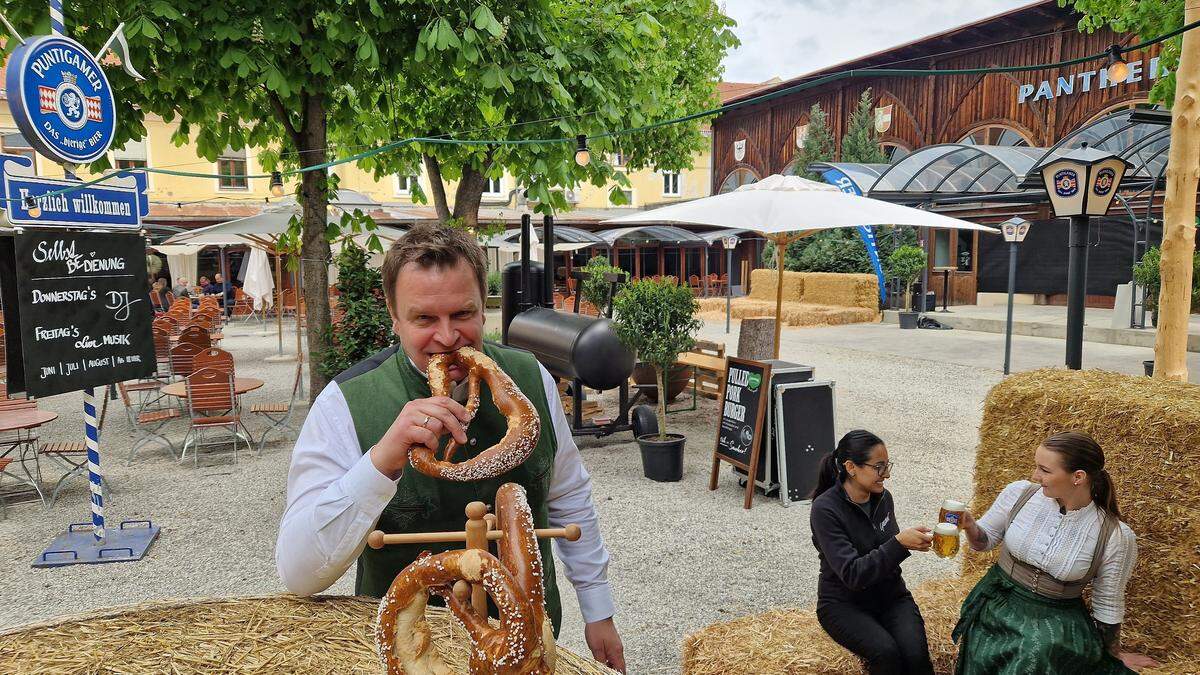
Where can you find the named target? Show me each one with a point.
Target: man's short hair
(436, 246)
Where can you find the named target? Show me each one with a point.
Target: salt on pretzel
(524, 426)
(523, 644)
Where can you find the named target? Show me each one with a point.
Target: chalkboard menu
(743, 402)
(83, 305)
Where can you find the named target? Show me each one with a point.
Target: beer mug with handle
(945, 540)
(952, 512)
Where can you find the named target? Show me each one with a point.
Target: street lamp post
(729, 243)
(1081, 183)
(1014, 230)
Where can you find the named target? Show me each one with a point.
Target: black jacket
(860, 557)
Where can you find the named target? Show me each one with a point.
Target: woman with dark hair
(1058, 532)
(862, 601)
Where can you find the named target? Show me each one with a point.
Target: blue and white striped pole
(91, 428)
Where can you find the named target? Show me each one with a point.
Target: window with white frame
(131, 156)
(494, 187)
(670, 184)
(231, 165)
(628, 197)
(13, 143)
(617, 158)
(404, 184)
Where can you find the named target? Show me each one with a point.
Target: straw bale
(846, 290)
(1150, 432)
(224, 636)
(792, 642)
(794, 313)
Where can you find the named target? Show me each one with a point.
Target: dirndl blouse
(1062, 545)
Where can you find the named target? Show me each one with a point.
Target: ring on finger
(425, 422)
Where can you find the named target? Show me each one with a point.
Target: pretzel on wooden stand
(524, 425)
(524, 641)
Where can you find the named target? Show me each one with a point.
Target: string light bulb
(32, 208)
(583, 156)
(276, 184)
(1118, 69)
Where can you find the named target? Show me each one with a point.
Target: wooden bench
(707, 360)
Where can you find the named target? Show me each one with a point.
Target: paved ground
(682, 557)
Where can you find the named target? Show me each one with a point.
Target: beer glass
(945, 540)
(952, 512)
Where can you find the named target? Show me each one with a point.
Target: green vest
(375, 390)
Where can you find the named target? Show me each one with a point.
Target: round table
(18, 420)
(241, 385)
(25, 418)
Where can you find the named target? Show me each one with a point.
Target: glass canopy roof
(1139, 136)
(958, 168)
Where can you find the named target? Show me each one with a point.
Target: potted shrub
(493, 290)
(906, 264)
(593, 287)
(657, 319)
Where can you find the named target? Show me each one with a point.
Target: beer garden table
(241, 385)
(21, 421)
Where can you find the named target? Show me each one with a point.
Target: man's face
(217, 278)
(437, 310)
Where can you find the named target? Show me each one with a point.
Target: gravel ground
(682, 557)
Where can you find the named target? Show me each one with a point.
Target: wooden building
(1034, 109)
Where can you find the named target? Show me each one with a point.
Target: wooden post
(781, 242)
(477, 538)
(1179, 211)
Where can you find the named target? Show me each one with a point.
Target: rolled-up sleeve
(334, 497)
(585, 561)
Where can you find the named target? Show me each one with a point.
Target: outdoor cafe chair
(696, 286)
(279, 414)
(197, 335)
(212, 405)
(146, 424)
(181, 306)
(162, 347)
(72, 457)
(213, 358)
(183, 356)
(287, 302)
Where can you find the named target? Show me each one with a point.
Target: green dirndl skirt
(1004, 627)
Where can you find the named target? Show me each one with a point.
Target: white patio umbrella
(785, 208)
(258, 284)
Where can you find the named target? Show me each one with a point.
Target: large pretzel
(523, 644)
(523, 423)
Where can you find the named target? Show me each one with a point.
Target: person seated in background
(181, 289)
(224, 290)
(1058, 532)
(862, 601)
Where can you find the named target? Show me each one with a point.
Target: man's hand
(421, 422)
(605, 643)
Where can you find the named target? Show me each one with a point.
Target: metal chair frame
(211, 389)
(280, 420)
(146, 424)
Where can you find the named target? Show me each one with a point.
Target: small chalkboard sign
(739, 429)
(84, 311)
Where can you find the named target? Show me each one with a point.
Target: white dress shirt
(335, 495)
(1062, 545)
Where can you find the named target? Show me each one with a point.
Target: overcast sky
(786, 38)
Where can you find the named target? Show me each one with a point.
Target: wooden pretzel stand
(479, 530)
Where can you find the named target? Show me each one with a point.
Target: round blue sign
(1066, 183)
(61, 100)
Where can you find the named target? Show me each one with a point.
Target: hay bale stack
(794, 313)
(791, 642)
(275, 633)
(843, 290)
(1150, 432)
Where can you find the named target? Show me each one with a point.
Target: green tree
(860, 143)
(818, 143)
(364, 326)
(1146, 19)
(286, 78)
(594, 288)
(906, 264)
(518, 71)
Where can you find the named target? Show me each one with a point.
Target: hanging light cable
(1118, 69)
(583, 156)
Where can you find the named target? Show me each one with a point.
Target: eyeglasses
(882, 467)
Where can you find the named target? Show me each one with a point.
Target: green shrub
(1146, 273)
(841, 250)
(906, 264)
(593, 287)
(657, 319)
(493, 283)
(365, 326)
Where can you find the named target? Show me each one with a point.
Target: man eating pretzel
(350, 471)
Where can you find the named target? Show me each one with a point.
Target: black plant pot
(1149, 366)
(662, 460)
(908, 320)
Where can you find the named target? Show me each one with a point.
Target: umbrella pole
(781, 242)
(279, 297)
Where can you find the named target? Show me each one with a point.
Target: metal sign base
(78, 546)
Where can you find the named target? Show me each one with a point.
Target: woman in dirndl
(1058, 532)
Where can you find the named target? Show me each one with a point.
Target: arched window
(736, 179)
(894, 151)
(995, 134)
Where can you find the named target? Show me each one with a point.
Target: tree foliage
(593, 287)
(364, 326)
(1145, 19)
(514, 70)
(861, 143)
(657, 319)
(906, 264)
(818, 143)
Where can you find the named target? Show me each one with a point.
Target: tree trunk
(755, 341)
(1179, 212)
(314, 250)
(433, 169)
(468, 196)
(662, 402)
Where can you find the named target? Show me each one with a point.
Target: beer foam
(949, 529)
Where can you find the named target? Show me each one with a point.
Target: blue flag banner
(841, 181)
